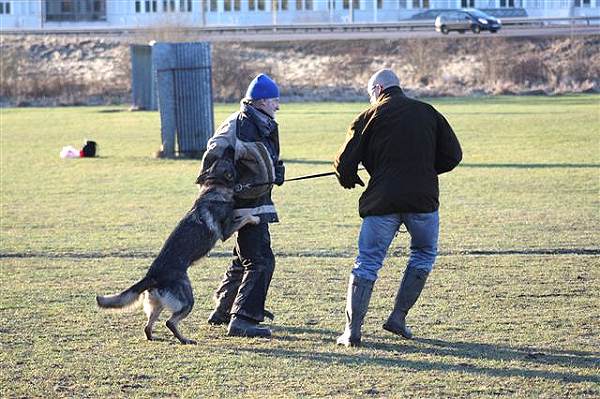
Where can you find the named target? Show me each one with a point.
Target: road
(403, 34)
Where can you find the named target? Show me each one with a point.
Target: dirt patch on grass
(54, 70)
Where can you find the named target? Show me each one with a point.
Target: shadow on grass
(307, 161)
(478, 165)
(474, 350)
(111, 110)
(435, 347)
(531, 165)
(542, 100)
(528, 114)
(313, 253)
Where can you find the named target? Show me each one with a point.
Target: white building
(47, 14)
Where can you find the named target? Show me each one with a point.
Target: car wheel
(462, 32)
(444, 29)
(493, 31)
(476, 29)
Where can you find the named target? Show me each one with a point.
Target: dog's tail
(127, 299)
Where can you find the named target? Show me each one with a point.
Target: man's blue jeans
(377, 233)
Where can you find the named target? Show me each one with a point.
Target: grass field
(512, 308)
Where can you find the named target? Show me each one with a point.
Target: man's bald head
(380, 81)
(385, 78)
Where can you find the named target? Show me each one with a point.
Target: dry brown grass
(59, 70)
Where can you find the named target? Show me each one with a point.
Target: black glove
(352, 182)
(279, 173)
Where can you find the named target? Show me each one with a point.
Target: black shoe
(217, 318)
(239, 327)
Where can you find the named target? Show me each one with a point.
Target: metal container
(143, 79)
(183, 75)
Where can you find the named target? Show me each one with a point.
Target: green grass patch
(511, 309)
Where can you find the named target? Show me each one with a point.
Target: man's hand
(352, 182)
(279, 173)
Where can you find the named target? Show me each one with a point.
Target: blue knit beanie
(262, 87)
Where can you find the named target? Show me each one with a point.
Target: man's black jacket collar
(389, 92)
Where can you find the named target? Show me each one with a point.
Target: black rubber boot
(410, 288)
(218, 318)
(357, 303)
(242, 327)
(226, 293)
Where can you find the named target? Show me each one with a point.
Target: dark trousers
(245, 284)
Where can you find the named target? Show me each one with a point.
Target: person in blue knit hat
(240, 299)
(262, 87)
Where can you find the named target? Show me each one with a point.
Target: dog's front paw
(188, 341)
(254, 220)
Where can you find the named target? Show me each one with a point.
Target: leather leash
(241, 187)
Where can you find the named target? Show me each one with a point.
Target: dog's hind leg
(152, 308)
(180, 299)
(175, 319)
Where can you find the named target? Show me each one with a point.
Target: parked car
(466, 19)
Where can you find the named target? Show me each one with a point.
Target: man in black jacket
(240, 300)
(404, 144)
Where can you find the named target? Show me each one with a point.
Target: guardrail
(405, 25)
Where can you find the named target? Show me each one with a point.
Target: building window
(420, 3)
(4, 7)
(237, 5)
(261, 5)
(213, 5)
(147, 5)
(467, 3)
(379, 3)
(251, 5)
(356, 4)
(66, 6)
(401, 3)
(507, 3)
(303, 5)
(331, 5)
(582, 3)
(226, 5)
(284, 5)
(138, 7)
(77, 10)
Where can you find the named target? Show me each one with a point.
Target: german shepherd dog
(166, 284)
